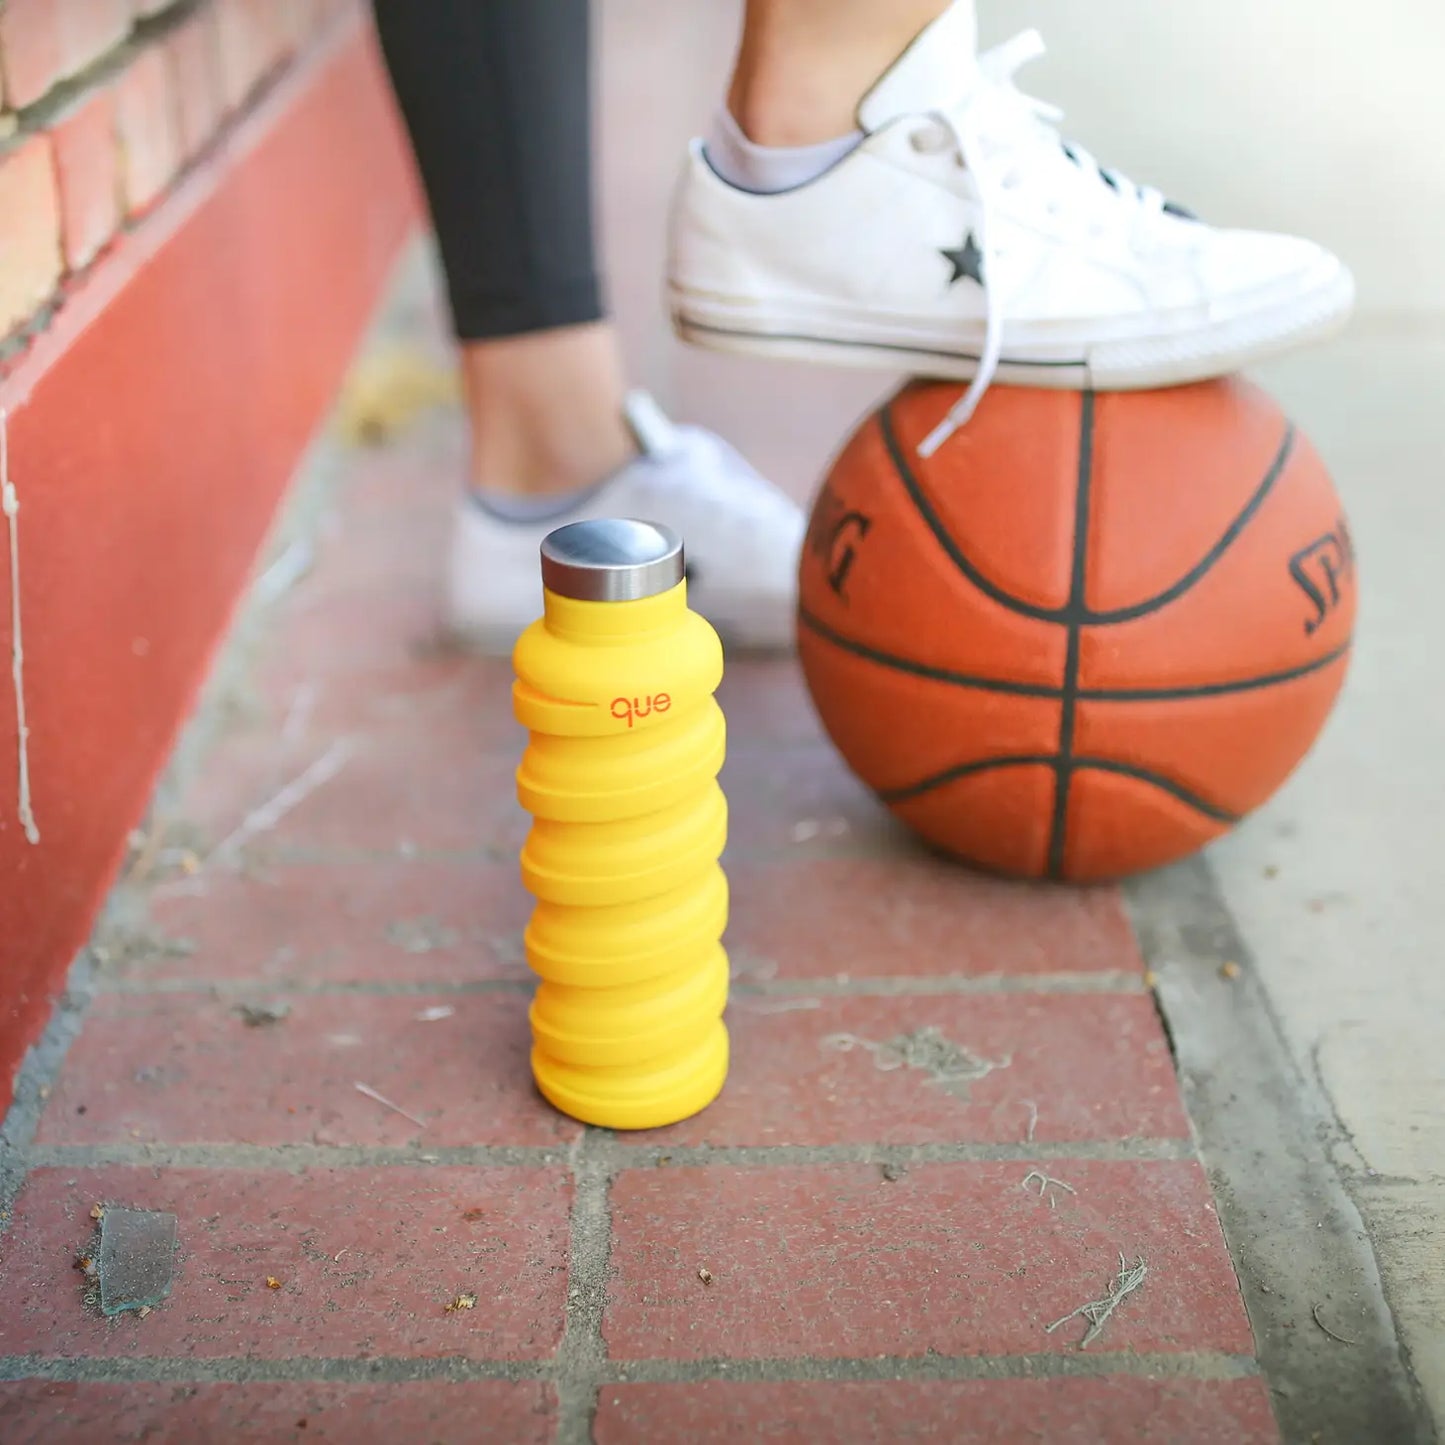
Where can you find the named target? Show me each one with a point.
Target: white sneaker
(963, 239)
(741, 538)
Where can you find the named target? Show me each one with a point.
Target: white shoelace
(997, 107)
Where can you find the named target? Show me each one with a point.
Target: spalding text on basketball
(1319, 570)
(834, 536)
(629, 709)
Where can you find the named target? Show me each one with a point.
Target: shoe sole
(1316, 308)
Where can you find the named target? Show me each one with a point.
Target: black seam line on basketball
(1214, 689)
(1049, 760)
(1158, 780)
(1078, 579)
(1107, 617)
(1043, 690)
(1210, 558)
(940, 532)
(923, 669)
(964, 770)
(876, 346)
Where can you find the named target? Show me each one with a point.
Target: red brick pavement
(951, 1106)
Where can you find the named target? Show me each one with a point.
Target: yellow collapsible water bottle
(615, 685)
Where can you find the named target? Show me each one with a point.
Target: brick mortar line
(39, 117)
(146, 33)
(289, 1158)
(311, 1370)
(1194, 1364)
(270, 854)
(878, 985)
(248, 988)
(581, 1359)
(626, 1156)
(261, 857)
(1110, 981)
(616, 1156)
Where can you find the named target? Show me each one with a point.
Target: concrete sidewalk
(1335, 885)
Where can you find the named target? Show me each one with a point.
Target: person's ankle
(802, 70)
(524, 461)
(770, 110)
(545, 411)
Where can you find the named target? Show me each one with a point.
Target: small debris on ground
(137, 1258)
(807, 829)
(747, 965)
(267, 815)
(1097, 1312)
(705, 1275)
(388, 390)
(784, 1005)
(1151, 979)
(272, 1282)
(893, 1172)
(462, 1302)
(473, 1215)
(1229, 970)
(259, 1015)
(121, 946)
(144, 848)
(421, 935)
(1341, 1338)
(1033, 1109)
(386, 1103)
(435, 1013)
(97, 1211)
(1047, 1185)
(949, 1065)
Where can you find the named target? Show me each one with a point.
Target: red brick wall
(103, 104)
(231, 168)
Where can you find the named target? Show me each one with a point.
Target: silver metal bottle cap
(611, 559)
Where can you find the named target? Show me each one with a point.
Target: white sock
(526, 509)
(769, 169)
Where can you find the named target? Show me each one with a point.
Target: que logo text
(834, 536)
(1320, 568)
(631, 708)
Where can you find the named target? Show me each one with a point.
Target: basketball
(1088, 634)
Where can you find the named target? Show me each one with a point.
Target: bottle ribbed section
(631, 904)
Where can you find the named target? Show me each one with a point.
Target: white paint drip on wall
(10, 503)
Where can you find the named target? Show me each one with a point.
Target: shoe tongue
(937, 69)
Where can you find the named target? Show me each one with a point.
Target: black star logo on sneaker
(967, 260)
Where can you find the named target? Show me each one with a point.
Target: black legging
(496, 95)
